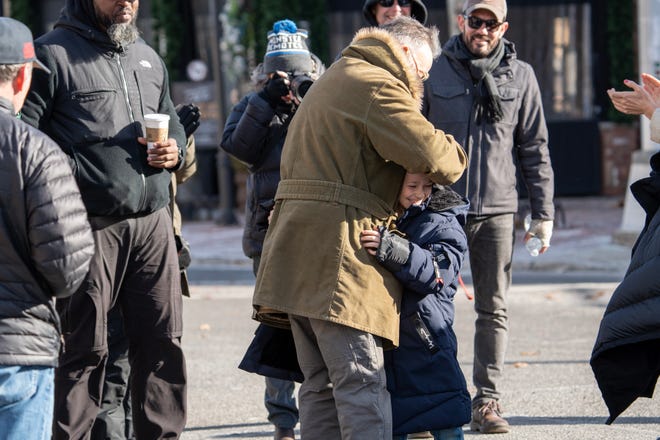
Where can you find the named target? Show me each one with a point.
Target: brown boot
(284, 434)
(488, 419)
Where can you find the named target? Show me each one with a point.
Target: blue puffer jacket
(424, 378)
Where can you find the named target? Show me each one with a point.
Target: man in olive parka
(347, 150)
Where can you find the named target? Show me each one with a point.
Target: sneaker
(425, 434)
(488, 419)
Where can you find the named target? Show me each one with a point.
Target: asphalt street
(549, 389)
(556, 303)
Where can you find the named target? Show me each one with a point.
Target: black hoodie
(93, 105)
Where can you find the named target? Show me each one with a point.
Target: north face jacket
(93, 105)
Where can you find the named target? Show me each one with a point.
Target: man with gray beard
(103, 80)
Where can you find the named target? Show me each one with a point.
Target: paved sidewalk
(582, 241)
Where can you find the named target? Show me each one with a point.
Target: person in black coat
(46, 246)
(626, 355)
(425, 252)
(254, 134)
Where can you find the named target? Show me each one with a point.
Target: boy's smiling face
(416, 188)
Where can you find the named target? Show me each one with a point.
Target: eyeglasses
(476, 23)
(423, 75)
(388, 3)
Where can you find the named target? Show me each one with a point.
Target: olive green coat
(357, 131)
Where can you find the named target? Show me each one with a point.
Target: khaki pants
(490, 241)
(344, 394)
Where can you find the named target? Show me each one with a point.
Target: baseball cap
(497, 7)
(16, 44)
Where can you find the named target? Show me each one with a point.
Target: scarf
(489, 104)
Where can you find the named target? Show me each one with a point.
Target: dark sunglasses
(388, 3)
(476, 23)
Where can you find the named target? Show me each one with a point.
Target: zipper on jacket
(131, 116)
(424, 334)
(468, 139)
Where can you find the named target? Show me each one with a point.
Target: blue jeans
(280, 401)
(443, 434)
(26, 402)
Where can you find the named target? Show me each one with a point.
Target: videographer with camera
(254, 134)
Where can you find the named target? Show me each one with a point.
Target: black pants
(135, 265)
(114, 420)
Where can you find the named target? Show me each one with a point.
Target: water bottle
(534, 244)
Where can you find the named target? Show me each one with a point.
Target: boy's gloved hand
(393, 251)
(189, 117)
(543, 230)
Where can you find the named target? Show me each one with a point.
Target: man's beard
(122, 34)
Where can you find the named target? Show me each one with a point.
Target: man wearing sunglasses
(479, 92)
(379, 12)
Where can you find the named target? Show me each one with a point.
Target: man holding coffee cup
(104, 81)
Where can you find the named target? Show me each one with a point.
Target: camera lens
(300, 85)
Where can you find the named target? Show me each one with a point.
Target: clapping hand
(641, 100)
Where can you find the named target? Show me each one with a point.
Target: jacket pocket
(509, 104)
(424, 333)
(450, 104)
(91, 110)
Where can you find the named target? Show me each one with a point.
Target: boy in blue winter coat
(427, 387)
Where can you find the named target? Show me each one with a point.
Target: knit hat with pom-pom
(287, 49)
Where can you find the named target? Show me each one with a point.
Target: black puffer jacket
(254, 134)
(45, 241)
(626, 355)
(93, 105)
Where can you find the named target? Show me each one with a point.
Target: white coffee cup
(156, 125)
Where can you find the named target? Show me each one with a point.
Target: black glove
(393, 251)
(275, 88)
(189, 117)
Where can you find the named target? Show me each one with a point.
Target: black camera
(300, 84)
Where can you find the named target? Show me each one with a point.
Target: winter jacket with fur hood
(93, 105)
(45, 241)
(347, 150)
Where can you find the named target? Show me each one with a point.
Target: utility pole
(226, 184)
